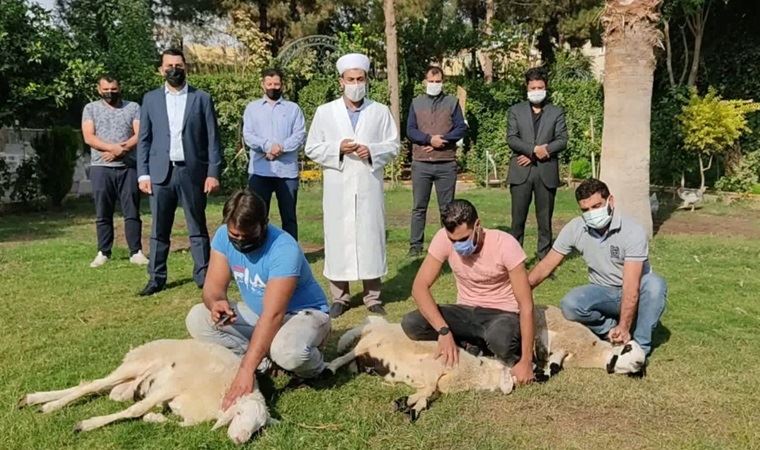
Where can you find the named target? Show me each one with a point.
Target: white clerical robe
(352, 200)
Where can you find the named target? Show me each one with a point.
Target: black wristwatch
(443, 331)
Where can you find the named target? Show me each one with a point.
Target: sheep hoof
(413, 415)
(400, 404)
(22, 402)
(78, 427)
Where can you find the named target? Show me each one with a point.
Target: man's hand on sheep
(620, 335)
(448, 350)
(523, 371)
(241, 385)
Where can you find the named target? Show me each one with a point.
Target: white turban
(352, 61)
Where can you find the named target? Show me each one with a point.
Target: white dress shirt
(175, 109)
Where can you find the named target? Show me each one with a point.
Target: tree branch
(669, 53)
(685, 56)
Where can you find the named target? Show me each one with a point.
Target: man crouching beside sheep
(624, 297)
(494, 310)
(283, 314)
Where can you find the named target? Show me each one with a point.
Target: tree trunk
(391, 55)
(485, 57)
(631, 34)
(669, 54)
(696, 23)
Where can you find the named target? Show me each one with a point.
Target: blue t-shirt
(279, 257)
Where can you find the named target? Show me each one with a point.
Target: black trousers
(179, 188)
(521, 198)
(493, 330)
(286, 190)
(424, 175)
(109, 185)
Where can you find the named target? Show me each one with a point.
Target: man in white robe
(353, 138)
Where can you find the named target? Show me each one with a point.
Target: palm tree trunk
(485, 57)
(631, 34)
(391, 55)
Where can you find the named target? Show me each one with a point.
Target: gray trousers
(295, 347)
(521, 197)
(109, 185)
(339, 290)
(424, 175)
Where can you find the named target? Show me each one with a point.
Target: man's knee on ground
(414, 325)
(289, 356)
(198, 321)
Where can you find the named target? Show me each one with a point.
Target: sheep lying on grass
(189, 376)
(383, 348)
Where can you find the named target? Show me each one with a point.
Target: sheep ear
(225, 418)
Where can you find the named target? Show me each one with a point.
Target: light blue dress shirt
(266, 123)
(353, 115)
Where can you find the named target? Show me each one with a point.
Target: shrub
(580, 168)
(25, 185)
(57, 152)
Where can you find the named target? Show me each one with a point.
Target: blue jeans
(598, 307)
(286, 190)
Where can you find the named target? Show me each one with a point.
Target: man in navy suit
(179, 159)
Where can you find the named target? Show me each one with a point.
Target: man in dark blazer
(536, 133)
(178, 160)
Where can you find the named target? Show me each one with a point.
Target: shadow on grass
(668, 206)
(27, 226)
(660, 336)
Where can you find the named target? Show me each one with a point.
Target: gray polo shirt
(112, 125)
(605, 255)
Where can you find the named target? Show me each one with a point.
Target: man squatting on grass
(624, 295)
(494, 308)
(283, 314)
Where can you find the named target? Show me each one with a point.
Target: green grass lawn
(62, 322)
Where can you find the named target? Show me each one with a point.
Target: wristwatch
(443, 331)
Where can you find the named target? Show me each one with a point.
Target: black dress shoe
(337, 309)
(377, 309)
(150, 289)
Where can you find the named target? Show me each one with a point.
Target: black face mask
(112, 98)
(274, 94)
(175, 76)
(249, 245)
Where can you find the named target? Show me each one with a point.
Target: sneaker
(337, 309)
(414, 252)
(99, 260)
(139, 258)
(377, 309)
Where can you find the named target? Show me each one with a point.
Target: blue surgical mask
(598, 218)
(466, 248)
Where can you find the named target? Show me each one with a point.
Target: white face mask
(598, 218)
(355, 92)
(433, 89)
(536, 97)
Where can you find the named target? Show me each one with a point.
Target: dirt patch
(694, 222)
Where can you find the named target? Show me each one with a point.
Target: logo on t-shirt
(243, 278)
(614, 251)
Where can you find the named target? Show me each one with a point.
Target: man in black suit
(178, 160)
(536, 133)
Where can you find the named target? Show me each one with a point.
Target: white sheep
(570, 344)
(189, 376)
(384, 348)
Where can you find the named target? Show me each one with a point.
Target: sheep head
(628, 359)
(246, 416)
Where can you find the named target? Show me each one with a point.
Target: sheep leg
(341, 361)
(153, 417)
(36, 398)
(419, 401)
(139, 409)
(120, 375)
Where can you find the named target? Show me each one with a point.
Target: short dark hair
(172, 51)
(434, 70)
(589, 187)
(108, 78)
(272, 72)
(246, 211)
(457, 212)
(535, 74)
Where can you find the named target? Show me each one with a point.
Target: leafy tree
(711, 125)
